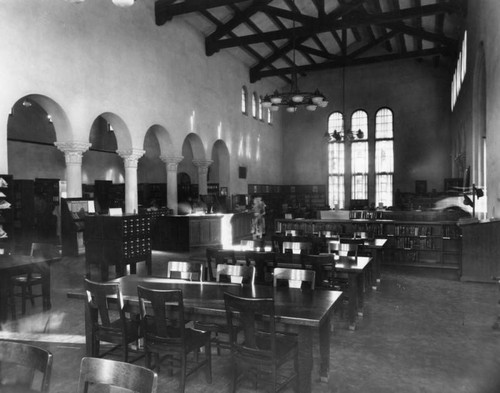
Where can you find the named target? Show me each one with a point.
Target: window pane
(384, 156)
(243, 100)
(335, 122)
(269, 116)
(359, 157)
(336, 191)
(260, 108)
(336, 158)
(359, 121)
(383, 186)
(359, 187)
(254, 105)
(383, 125)
(336, 168)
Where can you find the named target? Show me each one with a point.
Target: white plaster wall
(482, 27)
(418, 95)
(95, 57)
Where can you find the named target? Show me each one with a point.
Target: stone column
(130, 160)
(202, 175)
(172, 197)
(73, 153)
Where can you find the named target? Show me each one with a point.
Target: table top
(352, 264)
(292, 306)
(375, 243)
(18, 260)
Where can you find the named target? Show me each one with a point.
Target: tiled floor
(418, 334)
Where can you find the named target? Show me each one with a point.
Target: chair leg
(235, 376)
(208, 354)
(30, 295)
(24, 295)
(182, 383)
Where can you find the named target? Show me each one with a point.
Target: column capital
(130, 156)
(171, 161)
(73, 150)
(202, 163)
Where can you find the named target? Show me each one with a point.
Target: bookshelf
(433, 241)
(7, 208)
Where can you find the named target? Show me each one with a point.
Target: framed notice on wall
(420, 187)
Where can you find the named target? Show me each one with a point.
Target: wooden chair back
(240, 274)
(324, 267)
(190, 271)
(120, 376)
(294, 278)
(245, 315)
(162, 316)
(297, 247)
(28, 367)
(344, 247)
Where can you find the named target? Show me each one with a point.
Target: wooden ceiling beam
(165, 10)
(237, 19)
(355, 62)
(253, 53)
(387, 19)
(336, 13)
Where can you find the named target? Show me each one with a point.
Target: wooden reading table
(300, 311)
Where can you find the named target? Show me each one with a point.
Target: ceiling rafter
(389, 19)
(247, 49)
(354, 32)
(355, 62)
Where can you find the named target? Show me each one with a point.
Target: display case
(73, 214)
(118, 241)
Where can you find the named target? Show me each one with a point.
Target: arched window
(260, 109)
(384, 157)
(269, 116)
(244, 100)
(254, 105)
(336, 164)
(359, 156)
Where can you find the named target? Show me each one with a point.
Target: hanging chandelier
(343, 134)
(294, 98)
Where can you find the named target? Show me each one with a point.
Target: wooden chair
(215, 256)
(190, 271)
(324, 268)
(240, 274)
(294, 278)
(105, 305)
(26, 282)
(264, 262)
(167, 337)
(28, 367)
(260, 351)
(124, 376)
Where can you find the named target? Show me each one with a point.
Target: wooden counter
(183, 233)
(480, 251)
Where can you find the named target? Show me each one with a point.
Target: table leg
(45, 271)
(360, 278)
(324, 349)
(4, 297)
(353, 300)
(305, 359)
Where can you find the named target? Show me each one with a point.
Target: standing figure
(258, 221)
